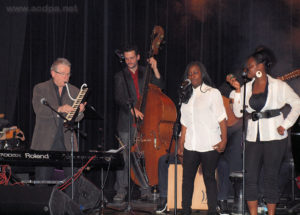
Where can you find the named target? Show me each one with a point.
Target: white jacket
(279, 94)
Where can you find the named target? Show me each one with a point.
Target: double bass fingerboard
(76, 103)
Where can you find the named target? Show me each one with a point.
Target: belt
(266, 114)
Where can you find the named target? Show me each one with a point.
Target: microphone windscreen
(43, 101)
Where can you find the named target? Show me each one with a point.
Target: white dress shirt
(201, 116)
(279, 94)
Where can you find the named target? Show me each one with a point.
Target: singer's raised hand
(65, 109)
(231, 79)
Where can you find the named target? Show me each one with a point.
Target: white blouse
(201, 116)
(279, 94)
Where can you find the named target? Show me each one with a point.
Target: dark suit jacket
(47, 120)
(121, 94)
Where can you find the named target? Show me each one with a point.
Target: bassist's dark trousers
(121, 183)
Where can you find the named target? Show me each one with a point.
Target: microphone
(229, 77)
(44, 101)
(245, 72)
(185, 83)
(119, 54)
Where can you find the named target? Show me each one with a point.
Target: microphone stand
(176, 125)
(176, 130)
(130, 107)
(130, 102)
(244, 139)
(71, 127)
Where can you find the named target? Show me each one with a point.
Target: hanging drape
(221, 34)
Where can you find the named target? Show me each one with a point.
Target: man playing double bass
(128, 86)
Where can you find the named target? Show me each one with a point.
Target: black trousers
(269, 156)
(191, 162)
(121, 183)
(231, 160)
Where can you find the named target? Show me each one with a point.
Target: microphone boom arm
(44, 102)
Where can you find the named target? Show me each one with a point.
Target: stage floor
(142, 207)
(138, 206)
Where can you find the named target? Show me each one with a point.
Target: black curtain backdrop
(221, 34)
(12, 38)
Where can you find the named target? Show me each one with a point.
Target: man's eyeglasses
(63, 74)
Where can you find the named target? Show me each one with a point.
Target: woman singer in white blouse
(203, 134)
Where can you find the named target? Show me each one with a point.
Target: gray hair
(59, 61)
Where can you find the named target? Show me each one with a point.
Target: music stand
(91, 113)
(102, 201)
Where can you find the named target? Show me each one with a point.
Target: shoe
(119, 197)
(162, 208)
(222, 207)
(182, 212)
(146, 196)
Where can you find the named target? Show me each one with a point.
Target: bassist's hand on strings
(65, 109)
(138, 114)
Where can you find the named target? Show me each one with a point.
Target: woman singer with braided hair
(266, 138)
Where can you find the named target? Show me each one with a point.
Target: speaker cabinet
(35, 200)
(48, 199)
(86, 194)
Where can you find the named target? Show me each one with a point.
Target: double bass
(154, 132)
